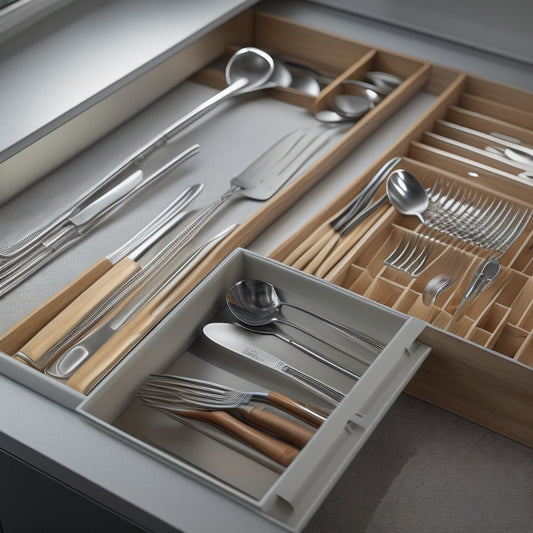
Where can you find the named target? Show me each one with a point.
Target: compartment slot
(510, 340)
(488, 125)
(503, 94)
(492, 321)
(373, 60)
(384, 292)
(504, 112)
(463, 166)
(479, 155)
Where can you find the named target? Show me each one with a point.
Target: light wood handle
(307, 243)
(277, 450)
(297, 409)
(78, 309)
(285, 429)
(114, 350)
(314, 249)
(323, 253)
(15, 337)
(346, 243)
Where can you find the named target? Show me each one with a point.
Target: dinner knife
(233, 338)
(20, 267)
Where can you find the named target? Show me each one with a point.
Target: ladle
(256, 303)
(249, 69)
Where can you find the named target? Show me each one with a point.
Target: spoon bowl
(257, 303)
(351, 106)
(407, 194)
(385, 81)
(328, 116)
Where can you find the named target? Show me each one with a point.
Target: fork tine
(399, 251)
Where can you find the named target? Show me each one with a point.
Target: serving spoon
(405, 193)
(257, 303)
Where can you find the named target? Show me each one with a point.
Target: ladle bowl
(250, 67)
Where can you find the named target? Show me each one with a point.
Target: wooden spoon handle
(277, 450)
(303, 412)
(67, 319)
(286, 429)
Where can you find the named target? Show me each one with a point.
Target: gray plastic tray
(177, 345)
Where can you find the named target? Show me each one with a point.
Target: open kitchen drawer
(479, 370)
(288, 495)
(288, 108)
(354, 267)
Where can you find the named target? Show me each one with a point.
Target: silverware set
(144, 268)
(249, 69)
(277, 437)
(233, 409)
(486, 222)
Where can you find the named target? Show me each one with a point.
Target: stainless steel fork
(412, 253)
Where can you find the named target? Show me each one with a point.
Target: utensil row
(135, 277)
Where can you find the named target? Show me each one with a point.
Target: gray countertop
(423, 470)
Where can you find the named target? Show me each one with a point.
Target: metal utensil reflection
(256, 302)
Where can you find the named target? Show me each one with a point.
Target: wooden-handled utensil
(120, 268)
(201, 394)
(279, 451)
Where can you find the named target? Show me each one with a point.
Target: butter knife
(233, 338)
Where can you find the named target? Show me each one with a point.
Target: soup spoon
(257, 303)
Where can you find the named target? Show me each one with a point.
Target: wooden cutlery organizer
(480, 365)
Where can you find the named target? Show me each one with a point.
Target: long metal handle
(358, 336)
(146, 233)
(312, 383)
(363, 215)
(362, 199)
(152, 269)
(321, 358)
(71, 360)
(15, 272)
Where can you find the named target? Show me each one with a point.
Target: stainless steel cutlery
(258, 182)
(231, 337)
(43, 246)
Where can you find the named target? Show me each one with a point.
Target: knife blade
(18, 268)
(233, 338)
